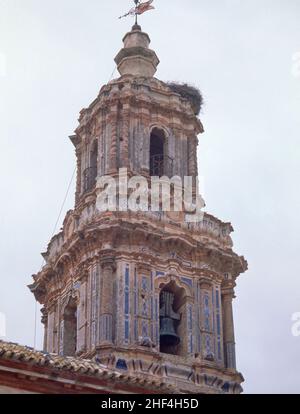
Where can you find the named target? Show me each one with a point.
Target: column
(114, 144)
(45, 323)
(107, 301)
(82, 315)
(78, 173)
(124, 158)
(192, 156)
(50, 329)
(192, 161)
(228, 328)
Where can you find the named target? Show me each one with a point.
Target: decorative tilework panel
(187, 281)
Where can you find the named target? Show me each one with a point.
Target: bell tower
(145, 293)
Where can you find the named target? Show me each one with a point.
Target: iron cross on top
(139, 8)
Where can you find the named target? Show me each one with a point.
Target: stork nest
(191, 93)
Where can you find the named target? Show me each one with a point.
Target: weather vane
(139, 8)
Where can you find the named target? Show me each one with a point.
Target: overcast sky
(54, 57)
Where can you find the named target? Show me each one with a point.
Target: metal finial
(137, 2)
(139, 8)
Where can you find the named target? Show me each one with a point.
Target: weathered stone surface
(113, 266)
(136, 58)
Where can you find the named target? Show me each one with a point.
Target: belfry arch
(159, 161)
(172, 299)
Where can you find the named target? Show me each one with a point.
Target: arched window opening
(170, 315)
(70, 328)
(90, 174)
(160, 163)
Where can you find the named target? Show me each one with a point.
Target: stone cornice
(134, 234)
(189, 235)
(109, 96)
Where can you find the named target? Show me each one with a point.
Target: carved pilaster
(45, 323)
(107, 301)
(124, 159)
(113, 150)
(192, 156)
(228, 328)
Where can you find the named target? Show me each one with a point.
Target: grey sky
(54, 57)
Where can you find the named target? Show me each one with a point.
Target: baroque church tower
(144, 293)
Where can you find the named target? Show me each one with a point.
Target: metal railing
(161, 165)
(89, 179)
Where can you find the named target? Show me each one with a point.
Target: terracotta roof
(25, 354)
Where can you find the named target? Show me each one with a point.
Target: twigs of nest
(191, 93)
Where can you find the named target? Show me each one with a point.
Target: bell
(168, 321)
(168, 335)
